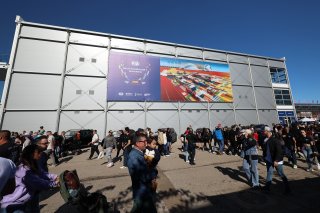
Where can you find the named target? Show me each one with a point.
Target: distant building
(311, 110)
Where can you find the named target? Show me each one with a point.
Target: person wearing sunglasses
(141, 177)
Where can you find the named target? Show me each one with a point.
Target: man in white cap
(274, 160)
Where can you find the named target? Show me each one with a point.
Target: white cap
(266, 128)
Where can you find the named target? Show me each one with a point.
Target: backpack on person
(173, 135)
(77, 198)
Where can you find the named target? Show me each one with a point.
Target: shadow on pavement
(305, 197)
(65, 159)
(107, 188)
(47, 194)
(233, 173)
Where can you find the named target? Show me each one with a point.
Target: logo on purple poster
(133, 77)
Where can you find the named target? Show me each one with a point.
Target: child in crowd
(152, 157)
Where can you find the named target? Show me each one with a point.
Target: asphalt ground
(215, 184)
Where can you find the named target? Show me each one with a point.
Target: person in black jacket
(274, 159)
(191, 139)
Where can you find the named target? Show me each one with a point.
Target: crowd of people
(24, 157)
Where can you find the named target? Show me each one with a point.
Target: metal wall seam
(8, 79)
(274, 97)
(233, 107)
(106, 95)
(254, 92)
(208, 106)
(145, 108)
(179, 114)
(41, 39)
(62, 82)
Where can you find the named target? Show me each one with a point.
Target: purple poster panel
(133, 77)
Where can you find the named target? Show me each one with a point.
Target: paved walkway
(214, 184)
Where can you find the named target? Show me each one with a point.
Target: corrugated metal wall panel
(268, 117)
(224, 117)
(126, 105)
(29, 121)
(246, 117)
(186, 52)
(42, 33)
(278, 64)
(163, 119)
(258, 61)
(221, 106)
(261, 76)
(240, 74)
(243, 97)
(89, 39)
(82, 120)
(31, 91)
(84, 93)
(85, 60)
(215, 56)
(162, 105)
(127, 44)
(159, 48)
(195, 118)
(120, 119)
(188, 105)
(33, 56)
(237, 58)
(265, 98)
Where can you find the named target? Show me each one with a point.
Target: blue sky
(274, 28)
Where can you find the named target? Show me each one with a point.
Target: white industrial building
(58, 78)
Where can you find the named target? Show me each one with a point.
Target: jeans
(221, 145)
(279, 169)
(166, 148)
(192, 152)
(291, 155)
(307, 152)
(251, 169)
(186, 153)
(108, 154)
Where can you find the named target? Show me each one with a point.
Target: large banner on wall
(135, 77)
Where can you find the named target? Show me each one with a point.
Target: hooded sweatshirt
(28, 183)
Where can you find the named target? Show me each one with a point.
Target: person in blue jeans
(141, 178)
(273, 156)
(250, 159)
(218, 136)
(127, 142)
(308, 148)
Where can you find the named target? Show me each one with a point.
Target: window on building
(278, 75)
(282, 97)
